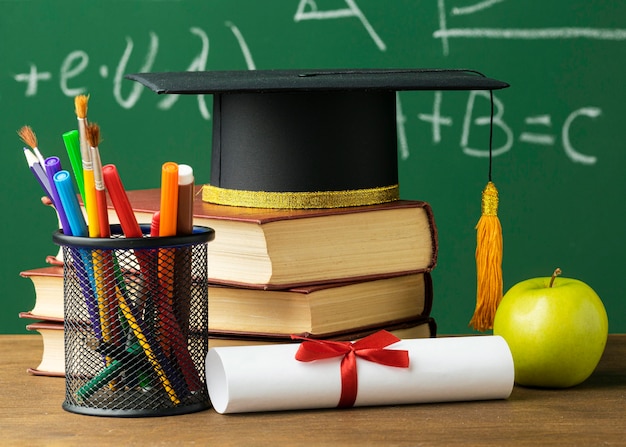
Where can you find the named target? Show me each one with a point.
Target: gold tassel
(488, 261)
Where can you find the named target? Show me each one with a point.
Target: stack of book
(336, 274)
(339, 273)
(46, 317)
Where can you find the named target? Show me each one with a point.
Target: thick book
(320, 310)
(53, 354)
(48, 285)
(276, 248)
(420, 327)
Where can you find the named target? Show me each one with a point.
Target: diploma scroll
(269, 378)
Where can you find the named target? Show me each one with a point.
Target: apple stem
(556, 273)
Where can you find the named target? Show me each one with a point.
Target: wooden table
(593, 413)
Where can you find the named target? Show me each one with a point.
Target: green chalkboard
(558, 136)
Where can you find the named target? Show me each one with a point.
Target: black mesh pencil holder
(135, 323)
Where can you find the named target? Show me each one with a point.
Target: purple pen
(52, 166)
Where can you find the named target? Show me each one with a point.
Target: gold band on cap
(300, 200)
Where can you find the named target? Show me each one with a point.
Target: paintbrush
(80, 103)
(37, 167)
(28, 136)
(93, 139)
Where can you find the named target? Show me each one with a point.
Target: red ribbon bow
(369, 348)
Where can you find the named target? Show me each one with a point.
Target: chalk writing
(445, 34)
(76, 63)
(436, 119)
(538, 138)
(307, 10)
(541, 138)
(403, 145)
(32, 79)
(198, 64)
(538, 128)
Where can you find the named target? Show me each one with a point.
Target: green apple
(556, 330)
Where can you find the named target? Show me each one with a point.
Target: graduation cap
(306, 138)
(316, 138)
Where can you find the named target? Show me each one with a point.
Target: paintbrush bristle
(92, 132)
(28, 136)
(80, 105)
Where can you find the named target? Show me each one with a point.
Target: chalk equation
(537, 130)
(445, 32)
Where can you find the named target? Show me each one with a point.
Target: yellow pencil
(145, 345)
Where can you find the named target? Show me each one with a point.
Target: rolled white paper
(269, 378)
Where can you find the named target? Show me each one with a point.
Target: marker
(67, 195)
(155, 224)
(120, 201)
(184, 216)
(53, 165)
(84, 267)
(182, 266)
(72, 145)
(169, 199)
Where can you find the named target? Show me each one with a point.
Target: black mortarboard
(306, 138)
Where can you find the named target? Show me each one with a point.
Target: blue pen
(67, 194)
(53, 165)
